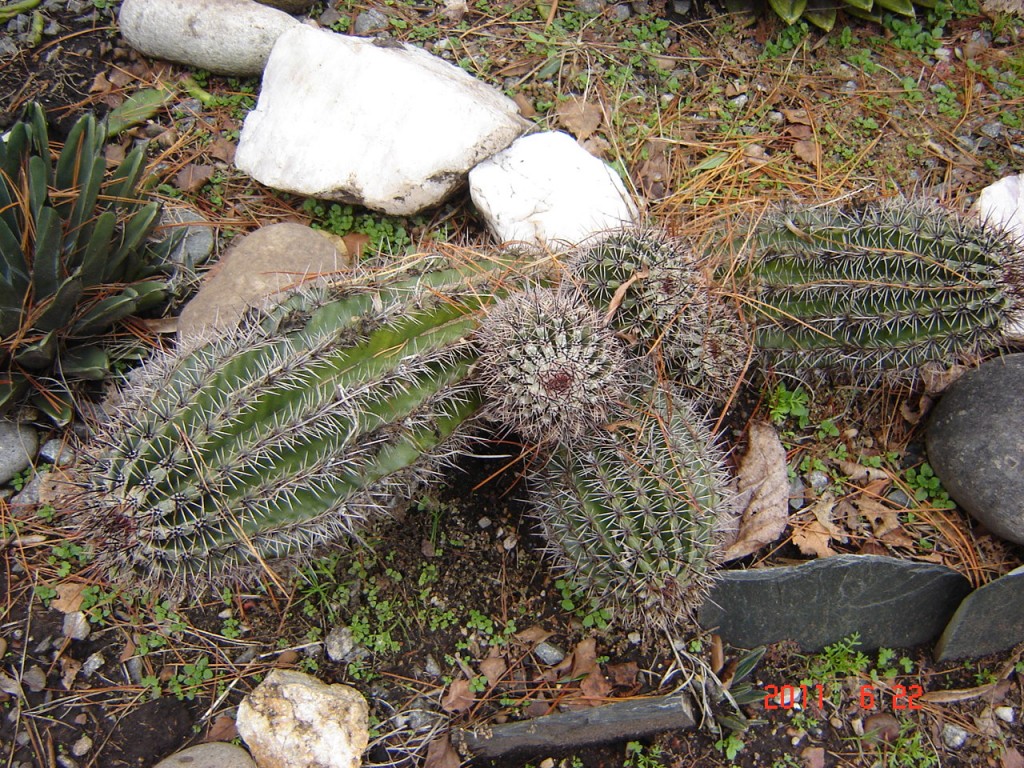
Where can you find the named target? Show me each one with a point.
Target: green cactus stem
(327, 410)
(883, 290)
(633, 514)
(656, 294)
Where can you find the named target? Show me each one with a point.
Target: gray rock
(211, 755)
(549, 653)
(18, 446)
(975, 444)
(591, 7)
(196, 242)
(339, 643)
(989, 620)
(370, 21)
(226, 37)
(57, 452)
(256, 267)
(890, 602)
(953, 736)
(29, 494)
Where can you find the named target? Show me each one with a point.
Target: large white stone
(547, 191)
(293, 720)
(1002, 203)
(386, 126)
(227, 37)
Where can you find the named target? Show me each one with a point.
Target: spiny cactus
(549, 366)
(885, 289)
(633, 513)
(655, 293)
(329, 409)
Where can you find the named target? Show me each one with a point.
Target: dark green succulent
(75, 260)
(823, 13)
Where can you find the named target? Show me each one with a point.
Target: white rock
(1002, 203)
(386, 126)
(546, 191)
(293, 720)
(227, 37)
(953, 736)
(1006, 714)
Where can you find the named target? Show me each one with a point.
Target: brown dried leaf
(127, 652)
(525, 104)
(100, 84)
(69, 671)
(624, 675)
(861, 474)
(800, 132)
(579, 117)
(797, 116)
(813, 539)
(762, 481)
(584, 657)
(593, 684)
(69, 597)
(654, 175)
(355, 242)
(441, 754)
(534, 634)
(883, 519)
(898, 539)
(222, 149)
(1011, 758)
(192, 177)
(807, 150)
(598, 146)
(459, 698)
(222, 729)
(493, 667)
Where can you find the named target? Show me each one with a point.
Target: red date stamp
(901, 697)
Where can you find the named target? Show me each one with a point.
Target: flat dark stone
(989, 620)
(890, 602)
(975, 443)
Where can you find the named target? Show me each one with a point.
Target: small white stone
(953, 736)
(76, 625)
(546, 191)
(34, 679)
(1006, 714)
(81, 747)
(91, 664)
(483, 523)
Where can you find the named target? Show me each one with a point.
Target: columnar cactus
(885, 289)
(633, 512)
(309, 419)
(654, 291)
(549, 366)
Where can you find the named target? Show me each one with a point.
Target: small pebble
(34, 679)
(431, 667)
(953, 736)
(81, 747)
(76, 625)
(483, 523)
(549, 653)
(56, 452)
(91, 664)
(339, 643)
(369, 21)
(1006, 714)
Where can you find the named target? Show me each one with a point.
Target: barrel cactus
(885, 289)
(656, 294)
(634, 512)
(330, 408)
(75, 260)
(550, 368)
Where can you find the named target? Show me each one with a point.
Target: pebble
(621, 12)
(818, 480)
(1006, 714)
(81, 747)
(483, 523)
(18, 445)
(76, 625)
(34, 679)
(57, 452)
(210, 755)
(431, 667)
(953, 736)
(339, 643)
(91, 664)
(369, 21)
(797, 499)
(549, 653)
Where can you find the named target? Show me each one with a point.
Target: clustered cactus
(883, 290)
(336, 404)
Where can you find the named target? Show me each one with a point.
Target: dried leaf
(100, 84)
(534, 634)
(807, 150)
(127, 652)
(441, 754)
(584, 657)
(882, 519)
(598, 146)
(813, 539)
(898, 539)
(525, 104)
(493, 667)
(861, 474)
(355, 242)
(222, 149)
(813, 757)
(579, 117)
(797, 116)
(763, 482)
(593, 684)
(69, 597)
(222, 729)
(1011, 758)
(624, 675)
(192, 177)
(654, 175)
(69, 671)
(459, 698)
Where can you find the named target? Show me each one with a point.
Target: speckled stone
(211, 755)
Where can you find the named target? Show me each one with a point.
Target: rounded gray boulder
(975, 444)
